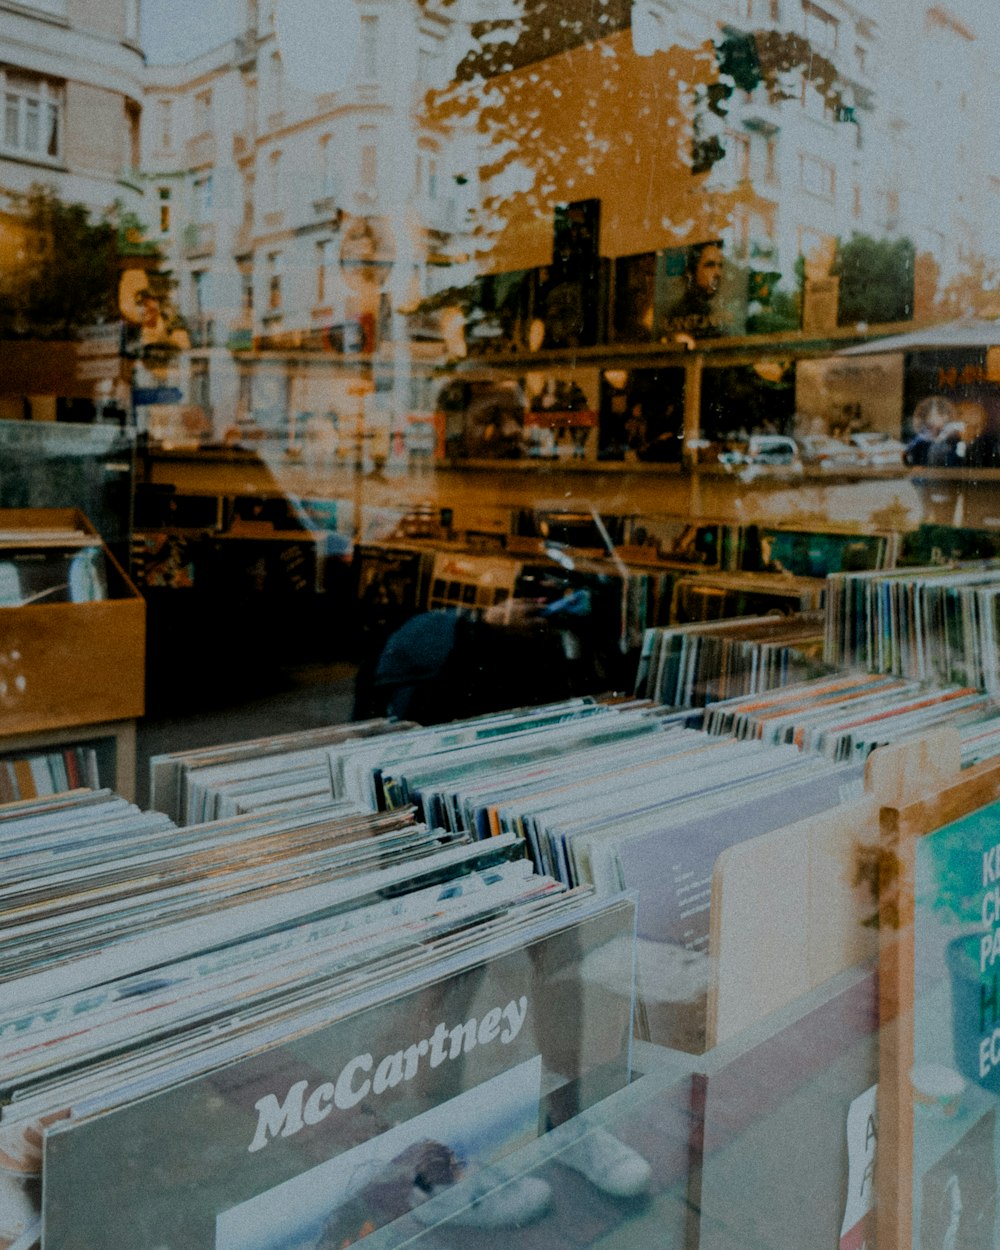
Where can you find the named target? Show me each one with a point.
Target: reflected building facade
(523, 186)
(303, 227)
(71, 84)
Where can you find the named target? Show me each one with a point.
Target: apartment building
(299, 224)
(805, 138)
(306, 220)
(945, 155)
(71, 85)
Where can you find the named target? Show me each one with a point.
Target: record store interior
(499, 613)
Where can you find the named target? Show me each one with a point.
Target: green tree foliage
(781, 312)
(62, 272)
(876, 279)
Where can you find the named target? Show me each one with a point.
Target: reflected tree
(62, 271)
(876, 279)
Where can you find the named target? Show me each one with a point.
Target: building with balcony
(299, 222)
(315, 226)
(71, 92)
(71, 86)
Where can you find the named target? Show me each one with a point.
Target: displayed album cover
(343, 1126)
(167, 561)
(566, 297)
(501, 313)
(318, 514)
(390, 586)
(807, 554)
(264, 565)
(275, 512)
(671, 871)
(956, 1030)
(699, 292)
(635, 292)
(471, 583)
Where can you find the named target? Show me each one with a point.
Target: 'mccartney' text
(361, 1076)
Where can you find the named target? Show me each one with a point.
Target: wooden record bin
(71, 672)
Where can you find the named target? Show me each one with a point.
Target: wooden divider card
(939, 1076)
(329, 1130)
(816, 874)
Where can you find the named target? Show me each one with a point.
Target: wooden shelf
(72, 672)
(114, 742)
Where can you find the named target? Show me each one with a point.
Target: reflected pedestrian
(930, 417)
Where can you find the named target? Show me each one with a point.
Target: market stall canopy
(966, 332)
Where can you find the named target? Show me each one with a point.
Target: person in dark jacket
(930, 417)
(443, 666)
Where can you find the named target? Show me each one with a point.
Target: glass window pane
(52, 146)
(11, 122)
(32, 131)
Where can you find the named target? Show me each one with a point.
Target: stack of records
(648, 594)
(847, 717)
(259, 1021)
(38, 773)
(51, 566)
(691, 665)
(373, 773)
(629, 798)
(931, 624)
(285, 770)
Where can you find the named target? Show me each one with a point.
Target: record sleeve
(280, 1147)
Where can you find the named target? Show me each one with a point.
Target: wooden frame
(119, 735)
(901, 826)
(71, 663)
(76, 671)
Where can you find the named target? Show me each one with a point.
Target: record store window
(622, 382)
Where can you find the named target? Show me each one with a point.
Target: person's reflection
(697, 312)
(930, 417)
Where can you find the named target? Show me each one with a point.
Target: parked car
(823, 451)
(878, 449)
(764, 449)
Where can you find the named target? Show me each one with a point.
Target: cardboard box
(65, 664)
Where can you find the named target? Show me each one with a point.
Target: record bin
(73, 663)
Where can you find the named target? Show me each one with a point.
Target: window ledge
(38, 161)
(36, 15)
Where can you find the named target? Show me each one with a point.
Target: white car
(823, 451)
(879, 449)
(764, 449)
